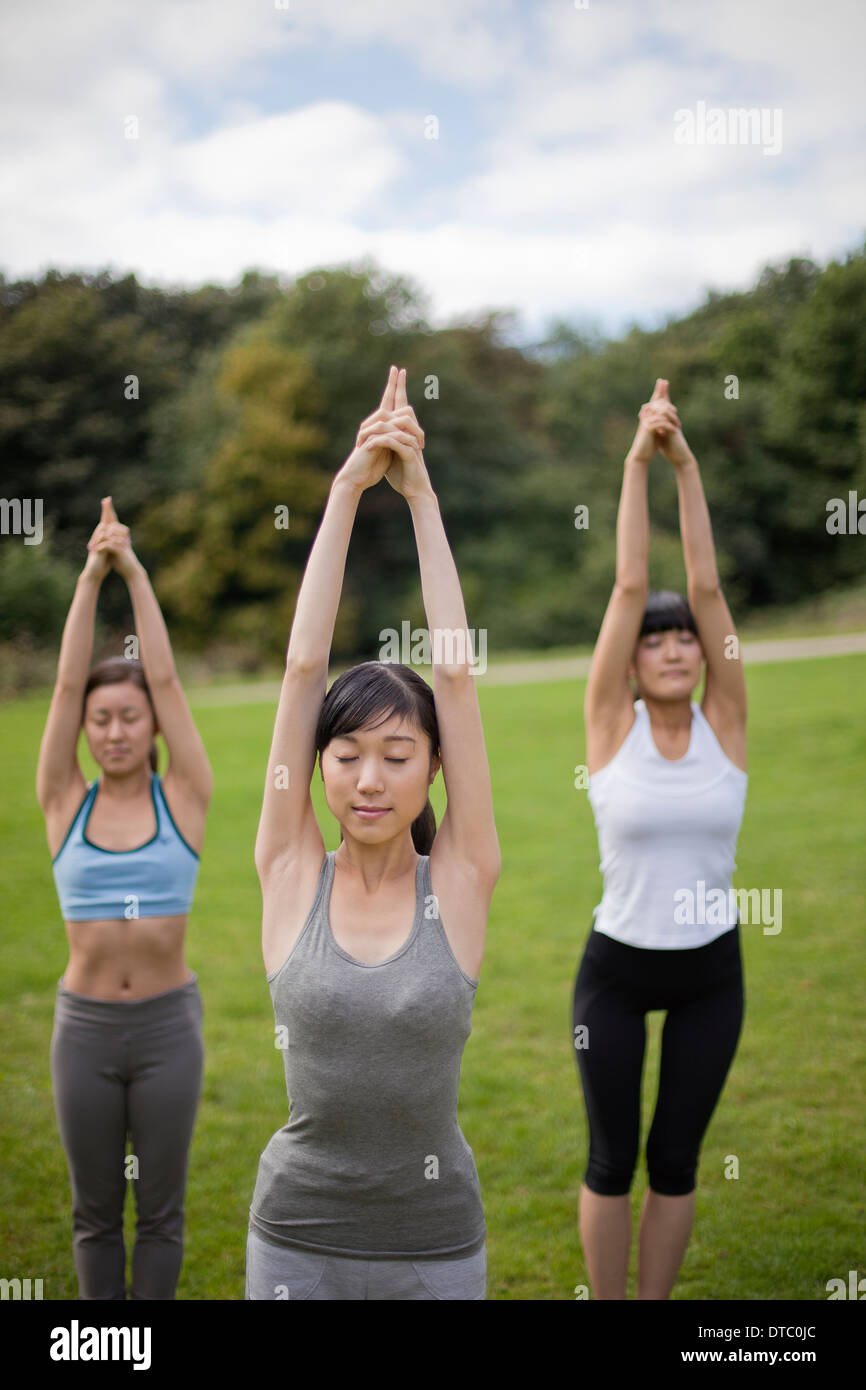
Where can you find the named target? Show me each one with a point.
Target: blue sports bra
(155, 880)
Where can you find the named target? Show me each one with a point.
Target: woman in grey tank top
(372, 951)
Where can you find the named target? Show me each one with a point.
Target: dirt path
(560, 669)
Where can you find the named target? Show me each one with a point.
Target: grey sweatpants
(127, 1067)
(284, 1274)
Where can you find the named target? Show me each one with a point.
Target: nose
(369, 775)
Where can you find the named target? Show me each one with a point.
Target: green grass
(791, 1111)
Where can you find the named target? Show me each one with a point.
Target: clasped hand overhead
(660, 429)
(389, 444)
(110, 546)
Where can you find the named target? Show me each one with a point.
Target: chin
(373, 832)
(683, 691)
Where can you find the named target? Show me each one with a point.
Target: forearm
(319, 595)
(76, 646)
(632, 526)
(440, 585)
(699, 550)
(154, 644)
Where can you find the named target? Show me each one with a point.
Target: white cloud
(576, 197)
(330, 157)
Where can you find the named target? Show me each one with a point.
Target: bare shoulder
(61, 809)
(728, 723)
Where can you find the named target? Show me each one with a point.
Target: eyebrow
(389, 738)
(106, 709)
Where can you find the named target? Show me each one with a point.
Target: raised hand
(672, 441)
(401, 431)
(659, 428)
(373, 457)
(99, 562)
(368, 462)
(660, 422)
(110, 545)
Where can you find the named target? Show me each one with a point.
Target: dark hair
(665, 610)
(111, 672)
(382, 688)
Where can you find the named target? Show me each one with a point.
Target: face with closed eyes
(119, 726)
(667, 665)
(377, 779)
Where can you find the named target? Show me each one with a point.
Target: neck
(669, 714)
(126, 786)
(374, 863)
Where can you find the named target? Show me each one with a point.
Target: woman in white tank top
(667, 783)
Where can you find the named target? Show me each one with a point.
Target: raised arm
(466, 848)
(724, 703)
(58, 774)
(188, 778)
(608, 703)
(288, 830)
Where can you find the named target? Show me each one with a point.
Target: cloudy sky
(567, 158)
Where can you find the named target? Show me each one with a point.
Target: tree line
(217, 417)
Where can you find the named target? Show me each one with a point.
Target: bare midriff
(120, 958)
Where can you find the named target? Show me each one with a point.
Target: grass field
(792, 1110)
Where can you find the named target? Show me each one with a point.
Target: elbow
(703, 587)
(165, 679)
(306, 667)
(632, 586)
(452, 671)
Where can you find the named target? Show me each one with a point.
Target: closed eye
(387, 760)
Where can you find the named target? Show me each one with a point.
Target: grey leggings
(123, 1067)
(285, 1274)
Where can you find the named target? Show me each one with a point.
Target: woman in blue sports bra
(126, 1050)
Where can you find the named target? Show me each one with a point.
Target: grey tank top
(372, 1161)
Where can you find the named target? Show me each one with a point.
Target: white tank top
(667, 835)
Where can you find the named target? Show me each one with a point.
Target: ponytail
(424, 830)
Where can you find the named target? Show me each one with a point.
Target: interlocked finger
(384, 439)
(409, 428)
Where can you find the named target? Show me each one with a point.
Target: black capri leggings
(616, 985)
(131, 1067)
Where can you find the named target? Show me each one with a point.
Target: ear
(435, 765)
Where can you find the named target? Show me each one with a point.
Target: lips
(371, 812)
